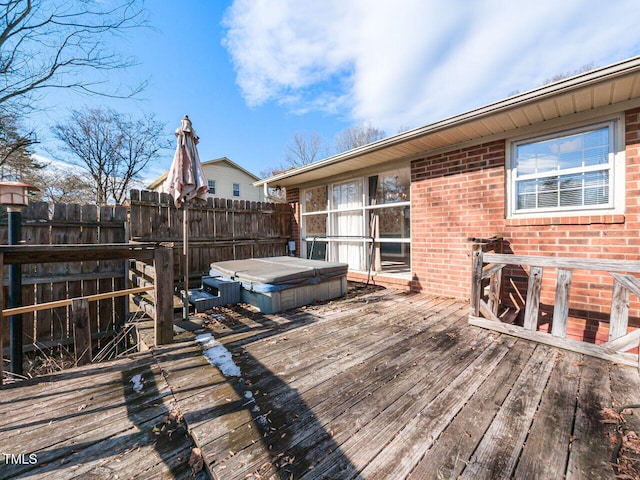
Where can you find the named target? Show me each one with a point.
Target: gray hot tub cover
(278, 273)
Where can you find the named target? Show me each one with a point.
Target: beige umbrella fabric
(186, 183)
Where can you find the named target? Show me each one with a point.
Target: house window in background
(315, 205)
(212, 187)
(347, 224)
(236, 189)
(340, 219)
(570, 171)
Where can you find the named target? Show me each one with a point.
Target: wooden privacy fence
(82, 324)
(220, 230)
(62, 224)
(485, 306)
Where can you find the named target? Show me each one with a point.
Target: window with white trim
(236, 189)
(364, 222)
(572, 171)
(212, 187)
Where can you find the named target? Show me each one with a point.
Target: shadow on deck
(378, 385)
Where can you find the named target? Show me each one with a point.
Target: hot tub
(275, 284)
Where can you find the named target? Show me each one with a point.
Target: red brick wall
(293, 199)
(462, 193)
(454, 196)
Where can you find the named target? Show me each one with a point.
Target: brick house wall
(462, 193)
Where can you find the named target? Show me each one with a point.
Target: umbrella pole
(185, 253)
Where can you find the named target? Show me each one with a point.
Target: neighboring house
(226, 179)
(555, 171)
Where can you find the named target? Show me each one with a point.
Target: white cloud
(58, 164)
(415, 61)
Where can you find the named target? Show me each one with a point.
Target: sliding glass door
(342, 220)
(347, 224)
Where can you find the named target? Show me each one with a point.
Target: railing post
(533, 299)
(495, 289)
(619, 319)
(561, 304)
(476, 279)
(163, 277)
(81, 330)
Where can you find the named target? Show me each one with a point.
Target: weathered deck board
(624, 388)
(378, 385)
(306, 416)
(284, 393)
(90, 422)
(498, 451)
(547, 446)
(387, 414)
(448, 456)
(591, 450)
(410, 443)
(65, 404)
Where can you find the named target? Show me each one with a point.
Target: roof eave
(542, 93)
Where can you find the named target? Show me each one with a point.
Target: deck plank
(383, 416)
(112, 431)
(624, 391)
(549, 441)
(449, 455)
(335, 363)
(377, 385)
(591, 449)
(303, 416)
(499, 449)
(102, 392)
(402, 454)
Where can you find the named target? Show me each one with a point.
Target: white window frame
(616, 172)
(212, 186)
(235, 188)
(364, 208)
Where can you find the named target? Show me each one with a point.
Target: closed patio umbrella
(186, 183)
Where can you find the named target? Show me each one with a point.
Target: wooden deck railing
(161, 268)
(485, 306)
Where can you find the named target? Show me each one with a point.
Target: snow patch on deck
(218, 355)
(137, 383)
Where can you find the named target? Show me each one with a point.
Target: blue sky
(251, 73)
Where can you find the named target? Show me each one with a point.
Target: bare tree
(15, 154)
(304, 149)
(561, 76)
(45, 44)
(357, 136)
(111, 147)
(141, 142)
(307, 147)
(58, 184)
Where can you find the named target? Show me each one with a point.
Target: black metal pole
(15, 295)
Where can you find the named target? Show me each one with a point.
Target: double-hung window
(572, 171)
(212, 187)
(236, 189)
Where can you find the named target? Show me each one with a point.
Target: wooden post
(476, 279)
(561, 307)
(495, 289)
(619, 319)
(81, 330)
(533, 299)
(163, 274)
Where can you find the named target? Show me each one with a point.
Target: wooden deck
(382, 385)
